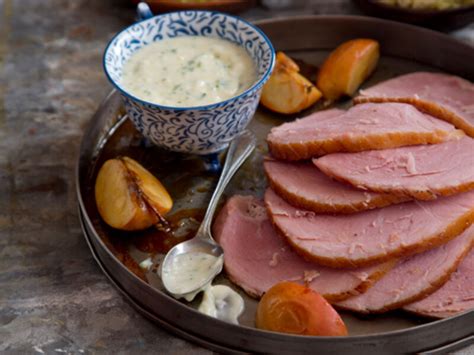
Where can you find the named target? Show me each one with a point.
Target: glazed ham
(423, 172)
(456, 295)
(303, 185)
(447, 97)
(373, 236)
(413, 278)
(363, 127)
(256, 257)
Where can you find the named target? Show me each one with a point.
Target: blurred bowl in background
(230, 6)
(448, 19)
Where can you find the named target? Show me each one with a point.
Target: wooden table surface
(53, 297)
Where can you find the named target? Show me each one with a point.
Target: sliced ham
(423, 172)
(303, 185)
(363, 127)
(413, 278)
(456, 295)
(372, 236)
(256, 257)
(444, 96)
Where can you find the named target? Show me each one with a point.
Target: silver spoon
(238, 152)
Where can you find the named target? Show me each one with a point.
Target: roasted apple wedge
(346, 68)
(287, 91)
(128, 197)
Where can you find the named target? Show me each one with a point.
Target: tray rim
(285, 337)
(217, 346)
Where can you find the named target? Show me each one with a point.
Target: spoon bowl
(203, 250)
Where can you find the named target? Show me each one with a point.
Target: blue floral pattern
(199, 130)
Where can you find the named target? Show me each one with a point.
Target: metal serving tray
(109, 133)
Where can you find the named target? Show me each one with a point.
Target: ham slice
(447, 97)
(303, 185)
(256, 257)
(456, 295)
(372, 236)
(363, 127)
(422, 172)
(413, 278)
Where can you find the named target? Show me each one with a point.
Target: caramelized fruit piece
(288, 307)
(151, 187)
(287, 91)
(346, 68)
(128, 197)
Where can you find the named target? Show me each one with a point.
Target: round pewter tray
(405, 49)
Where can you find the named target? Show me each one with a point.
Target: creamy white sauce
(223, 303)
(146, 264)
(190, 271)
(188, 71)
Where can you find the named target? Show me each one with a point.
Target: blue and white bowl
(200, 129)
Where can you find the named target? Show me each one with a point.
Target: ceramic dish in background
(200, 129)
(230, 6)
(448, 19)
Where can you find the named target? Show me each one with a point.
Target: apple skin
(287, 91)
(292, 308)
(347, 67)
(128, 197)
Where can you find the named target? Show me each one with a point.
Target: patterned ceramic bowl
(201, 129)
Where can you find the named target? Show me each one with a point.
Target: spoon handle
(238, 152)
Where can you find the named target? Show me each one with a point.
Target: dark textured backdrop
(53, 297)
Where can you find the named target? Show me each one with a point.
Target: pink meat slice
(413, 278)
(456, 295)
(360, 239)
(303, 185)
(422, 172)
(362, 127)
(444, 96)
(256, 257)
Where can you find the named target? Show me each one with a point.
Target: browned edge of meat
(299, 201)
(425, 106)
(452, 231)
(434, 286)
(333, 298)
(365, 285)
(307, 150)
(423, 195)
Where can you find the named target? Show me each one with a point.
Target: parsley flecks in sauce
(188, 71)
(189, 271)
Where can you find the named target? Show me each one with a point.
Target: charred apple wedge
(346, 68)
(128, 197)
(287, 91)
